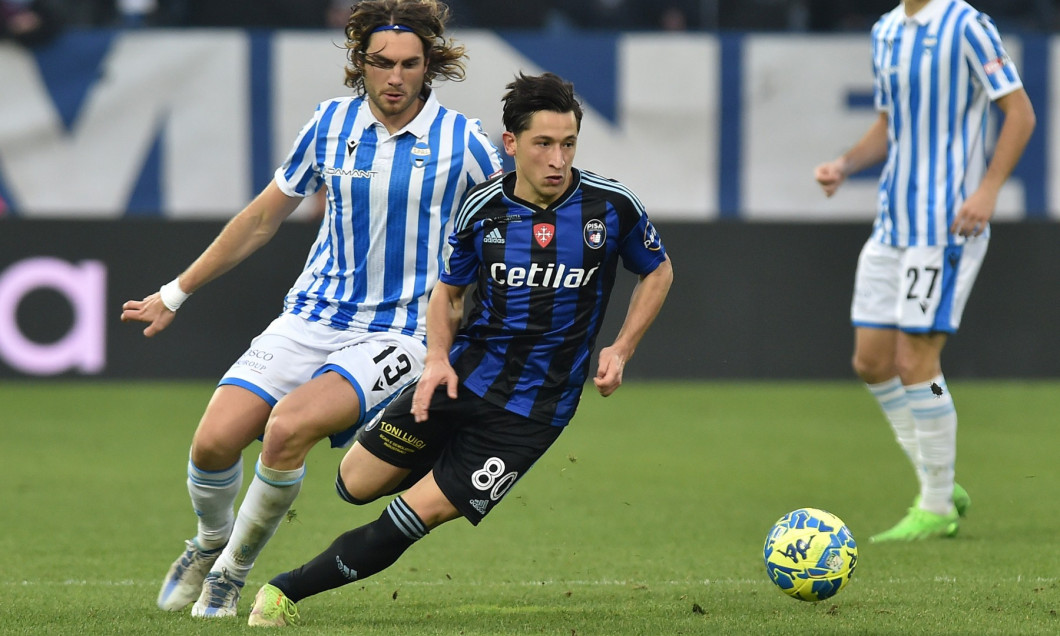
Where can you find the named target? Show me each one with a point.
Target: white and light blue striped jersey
(390, 204)
(936, 74)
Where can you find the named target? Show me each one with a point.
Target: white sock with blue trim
(894, 402)
(266, 503)
(213, 494)
(936, 432)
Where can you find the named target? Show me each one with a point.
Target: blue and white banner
(190, 124)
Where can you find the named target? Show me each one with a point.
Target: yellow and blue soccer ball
(810, 554)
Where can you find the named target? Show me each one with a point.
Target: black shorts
(477, 450)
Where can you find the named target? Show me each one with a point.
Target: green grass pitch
(646, 517)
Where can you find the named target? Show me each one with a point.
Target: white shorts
(291, 351)
(915, 289)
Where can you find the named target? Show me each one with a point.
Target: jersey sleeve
(460, 260)
(641, 248)
(987, 58)
(879, 95)
(483, 160)
(299, 175)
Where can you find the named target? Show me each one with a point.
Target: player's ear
(509, 143)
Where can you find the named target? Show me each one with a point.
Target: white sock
(213, 494)
(893, 400)
(267, 501)
(936, 432)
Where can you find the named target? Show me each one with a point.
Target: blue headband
(392, 27)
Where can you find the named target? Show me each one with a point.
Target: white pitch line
(538, 583)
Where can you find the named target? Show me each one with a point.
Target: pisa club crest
(595, 233)
(543, 233)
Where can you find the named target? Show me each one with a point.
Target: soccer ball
(810, 554)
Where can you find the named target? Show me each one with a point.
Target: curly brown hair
(426, 18)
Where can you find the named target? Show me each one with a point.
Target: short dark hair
(529, 94)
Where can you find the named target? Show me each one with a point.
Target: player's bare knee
(873, 370)
(283, 423)
(213, 451)
(914, 371)
(287, 440)
(863, 368)
(344, 493)
(285, 453)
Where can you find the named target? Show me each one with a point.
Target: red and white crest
(543, 233)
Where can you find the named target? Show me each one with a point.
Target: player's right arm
(247, 231)
(977, 210)
(445, 309)
(870, 150)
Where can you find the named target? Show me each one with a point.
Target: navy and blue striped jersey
(935, 75)
(390, 204)
(544, 277)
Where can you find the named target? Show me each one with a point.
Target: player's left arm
(644, 305)
(1020, 120)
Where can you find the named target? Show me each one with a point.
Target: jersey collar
(420, 124)
(929, 12)
(508, 187)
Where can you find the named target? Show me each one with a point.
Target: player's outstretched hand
(434, 374)
(150, 310)
(609, 372)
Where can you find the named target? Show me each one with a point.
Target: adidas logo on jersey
(494, 237)
(480, 505)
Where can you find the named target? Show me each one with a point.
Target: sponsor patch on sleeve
(995, 65)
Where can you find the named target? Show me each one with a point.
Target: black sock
(355, 555)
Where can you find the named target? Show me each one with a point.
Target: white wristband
(172, 295)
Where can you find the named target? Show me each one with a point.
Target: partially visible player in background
(396, 165)
(542, 246)
(938, 64)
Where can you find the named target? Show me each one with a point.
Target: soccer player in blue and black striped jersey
(395, 165)
(938, 65)
(541, 246)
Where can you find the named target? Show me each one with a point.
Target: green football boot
(272, 609)
(918, 525)
(961, 500)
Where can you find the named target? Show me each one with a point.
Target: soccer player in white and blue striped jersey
(395, 165)
(938, 65)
